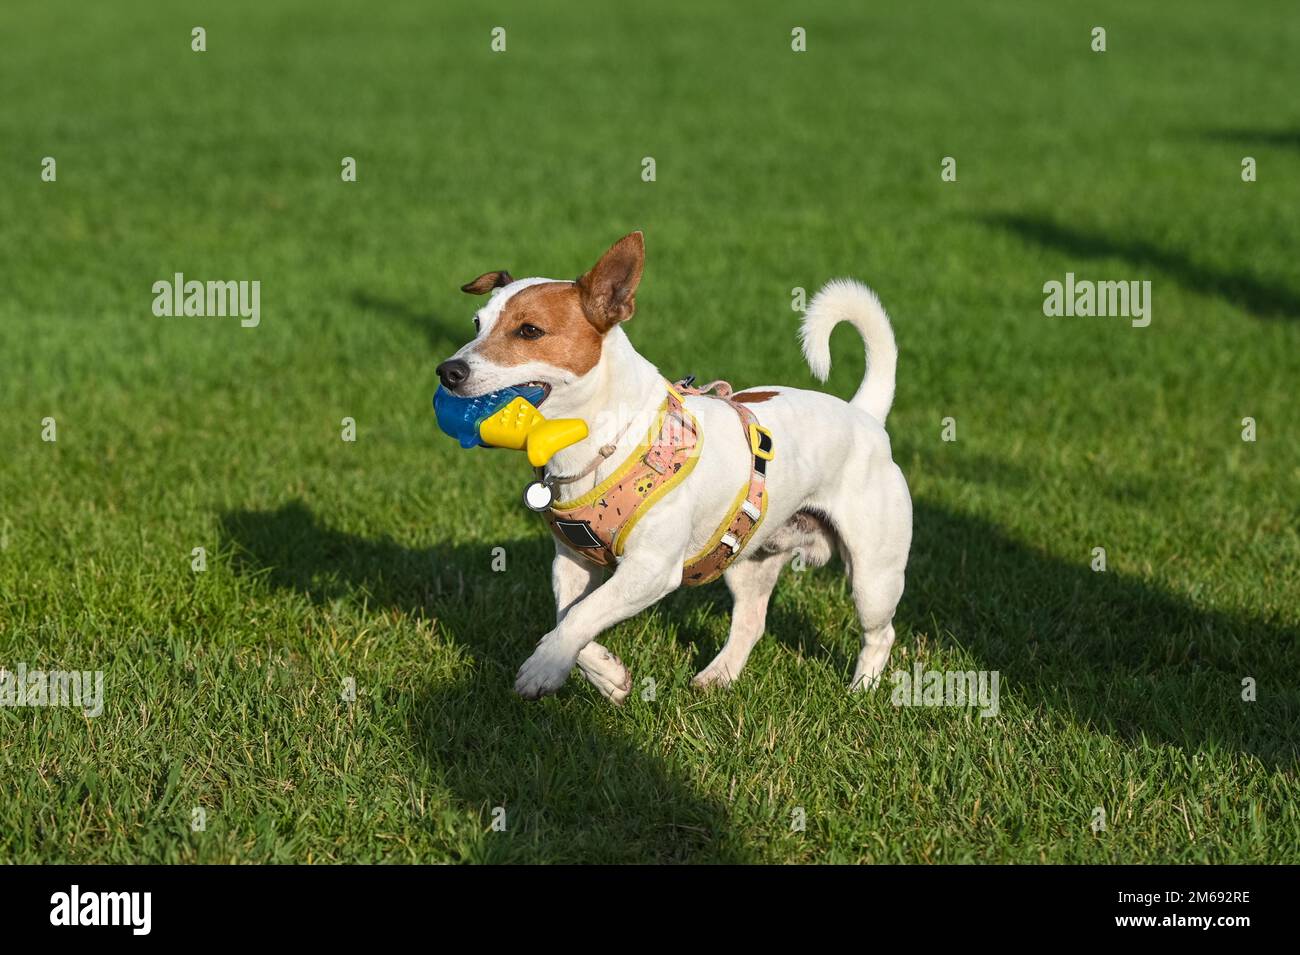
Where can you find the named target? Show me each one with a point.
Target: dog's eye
(530, 331)
(477, 329)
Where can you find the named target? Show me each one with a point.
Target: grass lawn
(371, 561)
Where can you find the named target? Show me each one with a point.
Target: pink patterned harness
(596, 524)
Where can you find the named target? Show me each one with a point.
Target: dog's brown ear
(609, 289)
(487, 282)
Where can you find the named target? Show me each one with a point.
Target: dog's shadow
(1104, 650)
(562, 776)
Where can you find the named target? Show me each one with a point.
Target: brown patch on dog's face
(754, 397)
(544, 323)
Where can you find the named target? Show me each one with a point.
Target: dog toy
(507, 419)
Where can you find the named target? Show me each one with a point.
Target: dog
(831, 483)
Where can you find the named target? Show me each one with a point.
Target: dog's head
(544, 331)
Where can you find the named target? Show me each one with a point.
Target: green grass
(371, 560)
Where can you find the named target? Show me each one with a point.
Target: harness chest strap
(747, 510)
(597, 523)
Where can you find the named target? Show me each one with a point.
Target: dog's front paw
(544, 672)
(606, 672)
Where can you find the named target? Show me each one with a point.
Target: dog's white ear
(487, 282)
(609, 289)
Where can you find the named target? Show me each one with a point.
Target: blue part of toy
(460, 417)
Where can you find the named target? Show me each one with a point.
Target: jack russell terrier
(675, 486)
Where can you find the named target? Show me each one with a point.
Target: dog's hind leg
(876, 593)
(572, 579)
(751, 583)
(875, 546)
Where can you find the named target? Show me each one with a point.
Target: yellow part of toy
(521, 427)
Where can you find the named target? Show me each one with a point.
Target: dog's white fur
(832, 485)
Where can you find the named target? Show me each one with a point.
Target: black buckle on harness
(760, 443)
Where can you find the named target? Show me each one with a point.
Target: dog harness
(596, 524)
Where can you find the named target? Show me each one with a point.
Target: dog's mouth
(546, 390)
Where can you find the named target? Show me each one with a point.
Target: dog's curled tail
(846, 300)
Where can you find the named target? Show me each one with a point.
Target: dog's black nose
(452, 373)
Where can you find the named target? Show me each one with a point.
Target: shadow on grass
(1102, 649)
(1261, 299)
(1241, 136)
(576, 788)
(1108, 650)
(444, 336)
